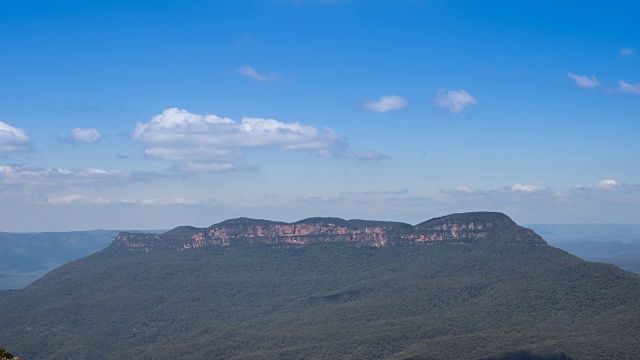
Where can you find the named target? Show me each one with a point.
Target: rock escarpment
(467, 227)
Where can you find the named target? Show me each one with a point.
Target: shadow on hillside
(525, 355)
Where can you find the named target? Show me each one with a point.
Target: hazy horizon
(614, 232)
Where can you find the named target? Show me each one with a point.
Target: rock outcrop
(467, 227)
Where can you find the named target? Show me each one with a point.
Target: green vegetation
(441, 301)
(4, 354)
(479, 300)
(357, 224)
(351, 224)
(471, 217)
(246, 222)
(182, 231)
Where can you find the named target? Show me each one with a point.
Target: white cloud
(626, 52)
(33, 177)
(607, 183)
(527, 189)
(201, 141)
(252, 73)
(602, 184)
(13, 139)
(625, 87)
(504, 195)
(174, 152)
(455, 101)
(87, 135)
(584, 81)
(70, 199)
(456, 190)
(608, 191)
(78, 198)
(386, 103)
(180, 135)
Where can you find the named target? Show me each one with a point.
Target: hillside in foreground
(463, 286)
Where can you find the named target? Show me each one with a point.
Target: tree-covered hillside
(474, 300)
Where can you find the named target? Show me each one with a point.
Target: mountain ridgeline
(469, 227)
(462, 286)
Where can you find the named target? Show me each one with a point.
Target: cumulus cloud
(13, 139)
(195, 140)
(252, 73)
(386, 103)
(455, 101)
(180, 135)
(607, 184)
(584, 81)
(626, 52)
(86, 135)
(625, 87)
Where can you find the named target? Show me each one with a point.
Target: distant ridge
(463, 227)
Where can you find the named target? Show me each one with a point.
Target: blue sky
(140, 114)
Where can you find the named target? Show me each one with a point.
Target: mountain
(462, 286)
(469, 227)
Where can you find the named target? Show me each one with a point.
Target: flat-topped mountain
(462, 286)
(452, 228)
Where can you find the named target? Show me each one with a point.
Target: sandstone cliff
(467, 227)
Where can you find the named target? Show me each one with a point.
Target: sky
(155, 114)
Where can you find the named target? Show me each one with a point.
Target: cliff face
(467, 227)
